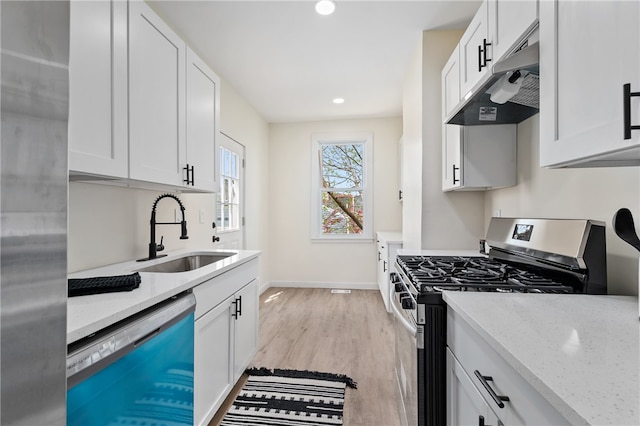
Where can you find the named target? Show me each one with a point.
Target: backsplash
(588, 193)
(110, 224)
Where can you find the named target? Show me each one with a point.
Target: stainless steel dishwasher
(138, 371)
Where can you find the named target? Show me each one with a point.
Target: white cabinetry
(157, 147)
(98, 88)
(510, 22)
(388, 245)
(144, 110)
(203, 111)
(465, 404)
(226, 336)
(508, 398)
(498, 28)
(582, 120)
(475, 50)
(451, 83)
(478, 157)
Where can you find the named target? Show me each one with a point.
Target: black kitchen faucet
(153, 247)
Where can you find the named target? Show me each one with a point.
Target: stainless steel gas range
(563, 256)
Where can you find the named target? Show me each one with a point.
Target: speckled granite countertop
(580, 352)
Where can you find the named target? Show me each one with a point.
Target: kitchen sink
(187, 263)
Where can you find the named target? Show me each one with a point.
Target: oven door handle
(412, 329)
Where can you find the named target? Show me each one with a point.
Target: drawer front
(525, 404)
(212, 292)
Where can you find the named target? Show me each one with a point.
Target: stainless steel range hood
(509, 96)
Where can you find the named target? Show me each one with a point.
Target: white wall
(595, 193)
(431, 218)
(111, 224)
(294, 259)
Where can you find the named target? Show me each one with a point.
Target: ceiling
(289, 62)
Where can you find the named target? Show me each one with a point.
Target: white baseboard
(320, 284)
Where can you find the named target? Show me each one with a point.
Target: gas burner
(440, 273)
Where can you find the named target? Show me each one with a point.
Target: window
(228, 198)
(341, 187)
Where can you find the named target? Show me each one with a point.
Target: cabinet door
(203, 111)
(475, 51)
(213, 374)
(156, 98)
(584, 71)
(451, 157)
(509, 23)
(465, 405)
(98, 88)
(246, 327)
(451, 84)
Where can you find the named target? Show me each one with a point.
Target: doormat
(289, 397)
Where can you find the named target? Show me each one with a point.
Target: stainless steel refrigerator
(34, 39)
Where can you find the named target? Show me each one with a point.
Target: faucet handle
(160, 247)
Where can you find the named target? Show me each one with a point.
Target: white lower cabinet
(465, 404)
(213, 378)
(388, 245)
(226, 336)
(481, 383)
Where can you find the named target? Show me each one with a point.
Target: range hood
(510, 95)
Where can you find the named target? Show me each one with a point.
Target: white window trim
(319, 139)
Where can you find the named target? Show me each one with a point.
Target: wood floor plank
(352, 334)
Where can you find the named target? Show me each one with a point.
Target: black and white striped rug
(289, 398)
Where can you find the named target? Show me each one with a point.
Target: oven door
(406, 361)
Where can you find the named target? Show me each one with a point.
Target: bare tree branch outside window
(342, 174)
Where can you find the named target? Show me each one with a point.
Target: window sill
(360, 240)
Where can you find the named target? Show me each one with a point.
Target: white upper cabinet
(98, 88)
(509, 23)
(589, 52)
(451, 83)
(157, 140)
(479, 157)
(203, 110)
(144, 109)
(475, 51)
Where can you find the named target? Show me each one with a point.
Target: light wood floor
(352, 334)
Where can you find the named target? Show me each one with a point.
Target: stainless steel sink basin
(187, 263)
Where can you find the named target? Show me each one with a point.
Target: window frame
(220, 203)
(317, 141)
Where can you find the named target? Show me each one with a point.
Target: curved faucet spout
(153, 247)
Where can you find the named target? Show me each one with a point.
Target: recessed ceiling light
(338, 101)
(325, 7)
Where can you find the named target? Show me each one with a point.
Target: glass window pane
(342, 165)
(226, 220)
(234, 165)
(227, 160)
(219, 215)
(234, 191)
(342, 212)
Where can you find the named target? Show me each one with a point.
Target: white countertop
(391, 237)
(580, 352)
(88, 314)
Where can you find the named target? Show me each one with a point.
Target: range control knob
(407, 302)
(398, 287)
(394, 277)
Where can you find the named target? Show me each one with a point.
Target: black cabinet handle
(482, 54)
(627, 95)
(235, 309)
(481, 421)
(190, 175)
(400, 194)
(384, 266)
(485, 382)
(379, 258)
(454, 174)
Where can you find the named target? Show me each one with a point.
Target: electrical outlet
(497, 213)
(201, 215)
